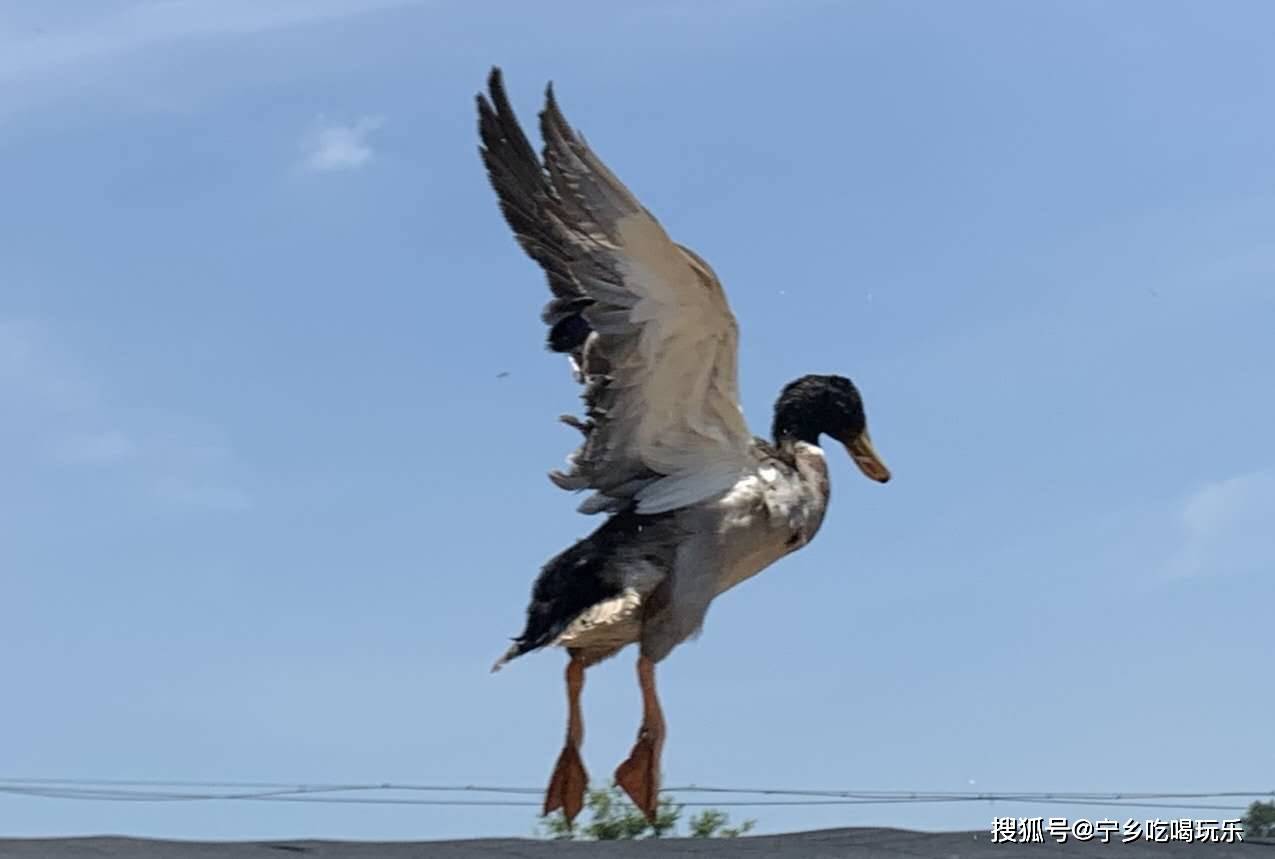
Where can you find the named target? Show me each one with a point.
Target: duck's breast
(770, 513)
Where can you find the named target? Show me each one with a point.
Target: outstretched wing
(645, 321)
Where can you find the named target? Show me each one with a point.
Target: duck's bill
(865, 456)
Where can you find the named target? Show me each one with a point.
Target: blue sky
(269, 512)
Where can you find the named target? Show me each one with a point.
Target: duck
(694, 503)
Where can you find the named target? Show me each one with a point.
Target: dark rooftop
(859, 843)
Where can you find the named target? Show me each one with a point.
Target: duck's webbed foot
(639, 775)
(567, 785)
(569, 780)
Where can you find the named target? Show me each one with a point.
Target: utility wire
(267, 785)
(129, 796)
(152, 790)
(688, 788)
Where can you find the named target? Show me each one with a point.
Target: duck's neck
(794, 423)
(812, 477)
(796, 432)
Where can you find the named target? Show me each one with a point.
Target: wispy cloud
(58, 416)
(340, 147)
(1254, 265)
(1229, 526)
(35, 47)
(230, 499)
(99, 448)
(36, 373)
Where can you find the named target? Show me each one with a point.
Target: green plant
(1259, 820)
(613, 818)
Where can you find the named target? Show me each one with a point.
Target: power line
(154, 790)
(269, 785)
(308, 797)
(130, 796)
(1050, 795)
(687, 788)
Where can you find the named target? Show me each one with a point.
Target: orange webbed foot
(567, 785)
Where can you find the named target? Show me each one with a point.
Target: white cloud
(101, 448)
(55, 414)
(36, 373)
(41, 46)
(1229, 526)
(341, 147)
(1253, 265)
(230, 499)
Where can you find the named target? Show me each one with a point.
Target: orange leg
(569, 780)
(639, 776)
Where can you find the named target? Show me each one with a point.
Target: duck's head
(828, 405)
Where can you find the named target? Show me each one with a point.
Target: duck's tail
(587, 574)
(511, 653)
(569, 584)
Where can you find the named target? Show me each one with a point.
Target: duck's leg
(640, 774)
(569, 780)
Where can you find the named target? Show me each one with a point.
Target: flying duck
(694, 503)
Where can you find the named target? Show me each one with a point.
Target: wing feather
(645, 320)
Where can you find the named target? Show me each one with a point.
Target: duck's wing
(645, 321)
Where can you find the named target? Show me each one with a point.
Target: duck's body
(616, 586)
(696, 504)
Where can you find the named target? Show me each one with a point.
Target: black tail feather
(568, 585)
(576, 580)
